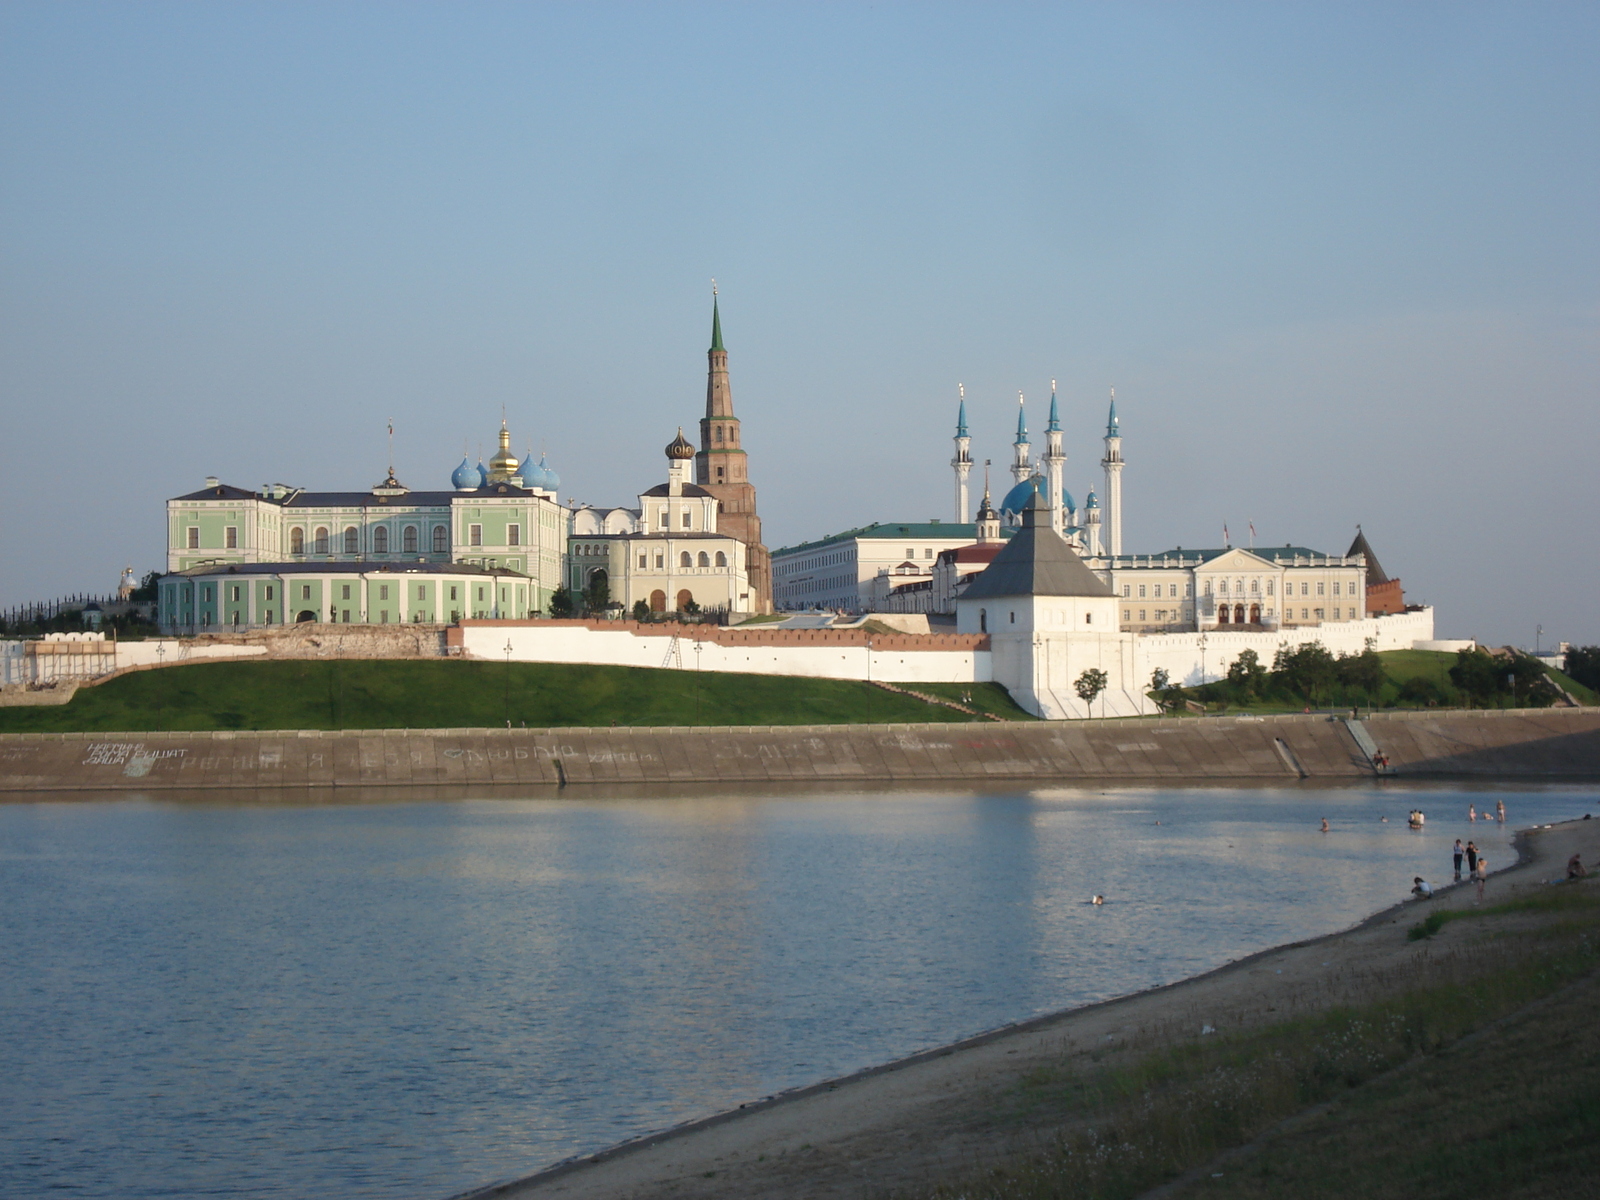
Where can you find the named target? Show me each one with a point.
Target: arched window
(685, 598)
(1222, 587)
(722, 559)
(352, 540)
(705, 559)
(441, 539)
(1222, 614)
(408, 539)
(719, 433)
(380, 540)
(658, 601)
(322, 539)
(683, 559)
(297, 540)
(1238, 614)
(1255, 587)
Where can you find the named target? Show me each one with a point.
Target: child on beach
(1420, 888)
(1481, 873)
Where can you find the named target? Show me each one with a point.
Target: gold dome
(504, 464)
(680, 447)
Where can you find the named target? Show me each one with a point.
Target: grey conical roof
(1359, 546)
(1036, 562)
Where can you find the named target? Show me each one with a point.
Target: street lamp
(1202, 644)
(698, 646)
(161, 658)
(508, 683)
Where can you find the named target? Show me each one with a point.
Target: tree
(1159, 679)
(1583, 664)
(1477, 675)
(641, 610)
(691, 607)
(561, 602)
(597, 596)
(1362, 671)
(1247, 674)
(1090, 684)
(147, 590)
(1308, 669)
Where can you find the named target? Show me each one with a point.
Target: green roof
(716, 327)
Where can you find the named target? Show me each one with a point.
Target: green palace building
(492, 546)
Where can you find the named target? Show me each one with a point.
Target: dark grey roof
(1036, 562)
(1359, 546)
(225, 491)
(689, 489)
(347, 566)
(368, 500)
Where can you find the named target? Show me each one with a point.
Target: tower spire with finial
(962, 462)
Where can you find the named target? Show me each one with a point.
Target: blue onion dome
(551, 482)
(1017, 498)
(483, 474)
(465, 477)
(1092, 501)
(1067, 502)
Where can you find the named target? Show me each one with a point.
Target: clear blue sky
(1339, 261)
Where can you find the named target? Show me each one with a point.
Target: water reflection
(365, 995)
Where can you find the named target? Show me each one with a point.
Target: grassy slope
(1400, 666)
(1419, 1107)
(369, 694)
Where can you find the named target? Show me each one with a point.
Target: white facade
(839, 572)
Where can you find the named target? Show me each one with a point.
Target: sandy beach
(916, 1121)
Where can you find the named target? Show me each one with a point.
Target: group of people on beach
(1499, 812)
(1477, 864)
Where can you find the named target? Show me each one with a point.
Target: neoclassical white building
(669, 552)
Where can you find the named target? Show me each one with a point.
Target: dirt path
(915, 1121)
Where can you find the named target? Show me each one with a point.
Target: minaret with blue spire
(1055, 467)
(1112, 463)
(1091, 521)
(962, 462)
(1021, 469)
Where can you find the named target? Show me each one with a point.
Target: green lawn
(1400, 666)
(378, 694)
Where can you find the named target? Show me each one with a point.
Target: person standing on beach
(1500, 811)
(1459, 851)
(1472, 812)
(1481, 873)
(1472, 857)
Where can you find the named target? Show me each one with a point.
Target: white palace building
(923, 567)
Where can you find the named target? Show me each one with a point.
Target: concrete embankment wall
(1529, 744)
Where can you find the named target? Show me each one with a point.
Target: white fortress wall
(1182, 655)
(621, 647)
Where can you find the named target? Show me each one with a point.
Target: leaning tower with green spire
(722, 468)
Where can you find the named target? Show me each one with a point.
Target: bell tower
(721, 467)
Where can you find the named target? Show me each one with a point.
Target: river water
(409, 997)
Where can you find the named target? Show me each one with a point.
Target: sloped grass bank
(387, 694)
(1417, 1105)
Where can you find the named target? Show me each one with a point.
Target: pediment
(1238, 559)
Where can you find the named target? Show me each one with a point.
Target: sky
(1339, 262)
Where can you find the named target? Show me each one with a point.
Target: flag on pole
(1226, 539)
(1252, 533)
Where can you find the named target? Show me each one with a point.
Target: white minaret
(1021, 470)
(962, 462)
(1055, 465)
(1112, 462)
(1091, 525)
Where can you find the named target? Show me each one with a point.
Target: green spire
(716, 327)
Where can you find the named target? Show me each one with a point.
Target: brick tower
(722, 468)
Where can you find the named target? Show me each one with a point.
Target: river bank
(1509, 744)
(912, 1126)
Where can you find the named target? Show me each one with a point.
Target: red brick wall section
(1385, 597)
(759, 636)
